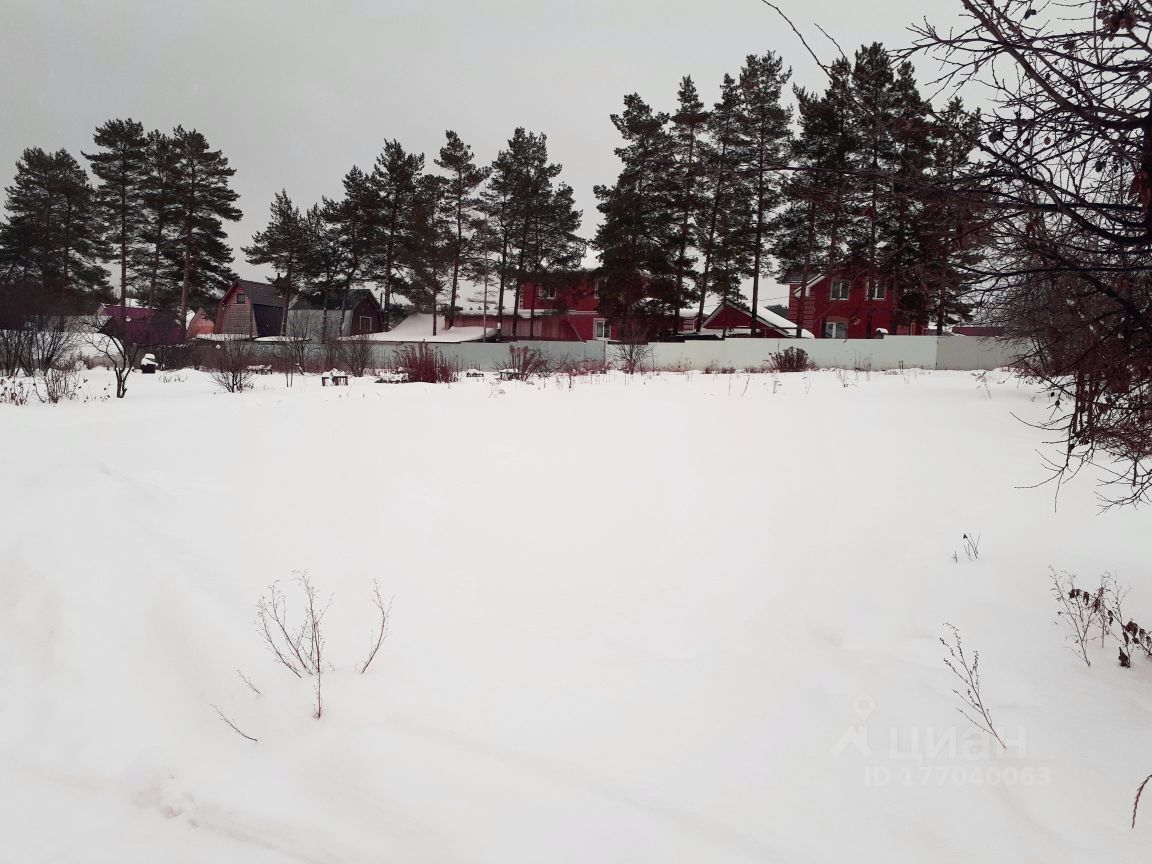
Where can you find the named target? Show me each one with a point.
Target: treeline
(155, 213)
(710, 199)
(157, 210)
(423, 235)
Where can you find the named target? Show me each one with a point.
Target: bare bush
(968, 671)
(1081, 611)
(380, 633)
(57, 383)
(528, 363)
(231, 368)
(424, 364)
(300, 649)
(233, 726)
(791, 360)
(356, 355)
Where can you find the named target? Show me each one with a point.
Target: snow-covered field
(678, 618)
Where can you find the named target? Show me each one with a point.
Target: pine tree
(204, 201)
(159, 217)
(121, 165)
(951, 231)
(285, 245)
(396, 178)
(637, 238)
(464, 178)
(323, 258)
(725, 204)
(553, 242)
(53, 233)
(763, 148)
(428, 251)
(355, 221)
(690, 155)
(523, 177)
(808, 230)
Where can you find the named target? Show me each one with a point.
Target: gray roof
(302, 303)
(261, 293)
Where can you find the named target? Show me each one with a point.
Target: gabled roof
(260, 293)
(765, 317)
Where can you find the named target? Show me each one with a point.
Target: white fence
(891, 352)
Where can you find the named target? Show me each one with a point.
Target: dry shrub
(528, 363)
(356, 355)
(587, 366)
(13, 391)
(57, 383)
(231, 368)
(792, 360)
(424, 364)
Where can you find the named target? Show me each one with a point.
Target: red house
(560, 307)
(728, 319)
(849, 305)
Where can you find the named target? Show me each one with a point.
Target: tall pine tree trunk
(809, 241)
(690, 182)
(757, 255)
(389, 256)
(451, 316)
(187, 281)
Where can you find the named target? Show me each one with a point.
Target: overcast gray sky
(297, 92)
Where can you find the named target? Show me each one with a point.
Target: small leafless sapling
(231, 370)
(971, 546)
(299, 648)
(1080, 610)
(381, 632)
(968, 671)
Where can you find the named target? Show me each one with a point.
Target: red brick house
(250, 309)
(848, 305)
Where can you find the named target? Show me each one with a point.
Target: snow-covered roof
(418, 328)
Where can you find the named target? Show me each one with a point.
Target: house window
(547, 292)
(835, 330)
(601, 329)
(241, 298)
(365, 323)
(839, 291)
(879, 291)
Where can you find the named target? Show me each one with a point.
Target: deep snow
(674, 618)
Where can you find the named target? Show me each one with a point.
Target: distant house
(362, 315)
(847, 304)
(250, 309)
(199, 324)
(729, 319)
(558, 307)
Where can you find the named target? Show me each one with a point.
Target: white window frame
(546, 293)
(879, 291)
(365, 323)
(830, 329)
(241, 298)
(839, 290)
(601, 329)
